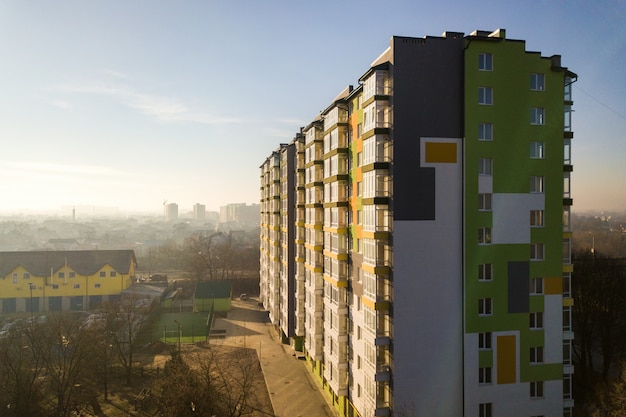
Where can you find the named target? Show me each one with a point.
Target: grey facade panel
(427, 102)
(518, 275)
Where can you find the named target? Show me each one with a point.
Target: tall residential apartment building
(415, 236)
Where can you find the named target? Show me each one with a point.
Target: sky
(128, 104)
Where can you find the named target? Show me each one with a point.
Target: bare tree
(21, 374)
(124, 320)
(66, 352)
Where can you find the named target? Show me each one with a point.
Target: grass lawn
(165, 329)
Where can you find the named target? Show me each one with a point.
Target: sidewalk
(294, 392)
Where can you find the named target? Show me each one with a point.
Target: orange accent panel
(507, 360)
(553, 285)
(440, 152)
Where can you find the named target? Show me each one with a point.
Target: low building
(63, 280)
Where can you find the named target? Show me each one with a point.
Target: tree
(21, 371)
(599, 288)
(66, 352)
(123, 322)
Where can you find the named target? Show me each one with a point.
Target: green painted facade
(510, 80)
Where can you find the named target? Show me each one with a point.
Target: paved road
(294, 392)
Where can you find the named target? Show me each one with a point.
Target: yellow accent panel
(368, 268)
(437, 152)
(568, 302)
(568, 268)
(553, 285)
(336, 283)
(369, 303)
(507, 361)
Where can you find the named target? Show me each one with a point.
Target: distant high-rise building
(170, 211)
(241, 214)
(415, 237)
(199, 212)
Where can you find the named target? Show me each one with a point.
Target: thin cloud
(114, 73)
(58, 169)
(164, 108)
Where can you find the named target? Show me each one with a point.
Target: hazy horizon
(129, 104)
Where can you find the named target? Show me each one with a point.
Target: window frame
(536, 389)
(485, 132)
(485, 201)
(537, 251)
(485, 96)
(537, 218)
(537, 184)
(536, 355)
(535, 320)
(484, 235)
(485, 307)
(537, 149)
(485, 61)
(537, 116)
(485, 410)
(537, 81)
(485, 375)
(485, 341)
(536, 286)
(485, 166)
(485, 272)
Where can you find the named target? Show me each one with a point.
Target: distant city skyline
(118, 104)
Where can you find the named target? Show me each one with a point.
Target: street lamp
(30, 287)
(178, 324)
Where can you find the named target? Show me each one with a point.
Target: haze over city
(129, 104)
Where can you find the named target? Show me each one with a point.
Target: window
(485, 272)
(103, 274)
(536, 150)
(536, 285)
(536, 251)
(567, 352)
(76, 286)
(484, 202)
(536, 389)
(72, 274)
(112, 274)
(485, 410)
(485, 166)
(15, 277)
(61, 275)
(485, 95)
(567, 319)
(536, 184)
(567, 386)
(536, 218)
(537, 116)
(484, 341)
(485, 62)
(55, 286)
(26, 275)
(536, 320)
(484, 235)
(484, 375)
(484, 307)
(485, 131)
(537, 82)
(536, 354)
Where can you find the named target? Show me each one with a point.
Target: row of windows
(61, 275)
(486, 409)
(537, 80)
(536, 353)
